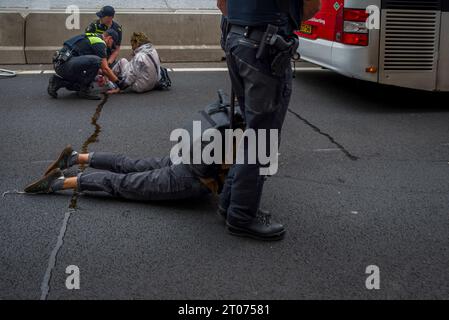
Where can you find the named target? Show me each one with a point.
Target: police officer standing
(259, 45)
(78, 62)
(105, 22)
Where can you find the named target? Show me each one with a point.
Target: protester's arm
(310, 8)
(221, 4)
(107, 71)
(114, 55)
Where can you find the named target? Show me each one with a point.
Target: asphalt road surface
(363, 180)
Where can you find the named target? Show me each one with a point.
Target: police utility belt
(62, 56)
(268, 39)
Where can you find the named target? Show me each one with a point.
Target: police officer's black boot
(54, 84)
(86, 93)
(260, 228)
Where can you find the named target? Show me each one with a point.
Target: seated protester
(143, 72)
(105, 22)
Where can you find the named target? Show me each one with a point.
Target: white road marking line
(27, 72)
(198, 69)
(226, 69)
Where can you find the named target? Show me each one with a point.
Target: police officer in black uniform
(105, 22)
(78, 62)
(259, 45)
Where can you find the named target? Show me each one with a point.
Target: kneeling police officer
(78, 62)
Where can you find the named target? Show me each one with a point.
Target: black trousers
(140, 179)
(80, 71)
(264, 100)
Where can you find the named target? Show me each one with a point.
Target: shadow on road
(372, 97)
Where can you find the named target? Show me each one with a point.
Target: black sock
(58, 184)
(73, 159)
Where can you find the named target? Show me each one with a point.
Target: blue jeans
(264, 100)
(142, 179)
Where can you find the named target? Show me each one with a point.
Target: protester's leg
(107, 161)
(168, 183)
(119, 163)
(120, 67)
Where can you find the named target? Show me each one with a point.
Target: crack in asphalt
(45, 285)
(331, 139)
(4, 194)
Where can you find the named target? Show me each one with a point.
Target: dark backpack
(165, 82)
(217, 116)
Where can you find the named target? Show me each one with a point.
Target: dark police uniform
(87, 51)
(99, 28)
(262, 95)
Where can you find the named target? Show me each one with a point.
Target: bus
(394, 42)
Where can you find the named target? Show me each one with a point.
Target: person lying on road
(150, 179)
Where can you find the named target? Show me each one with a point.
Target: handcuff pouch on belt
(285, 49)
(62, 56)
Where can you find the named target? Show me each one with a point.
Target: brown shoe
(62, 162)
(44, 185)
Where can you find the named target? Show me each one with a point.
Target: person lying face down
(158, 179)
(148, 179)
(142, 72)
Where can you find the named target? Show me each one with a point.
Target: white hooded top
(141, 74)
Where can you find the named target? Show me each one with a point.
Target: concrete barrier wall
(12, 38)
(179, 37)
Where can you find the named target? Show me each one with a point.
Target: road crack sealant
(93, 138)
